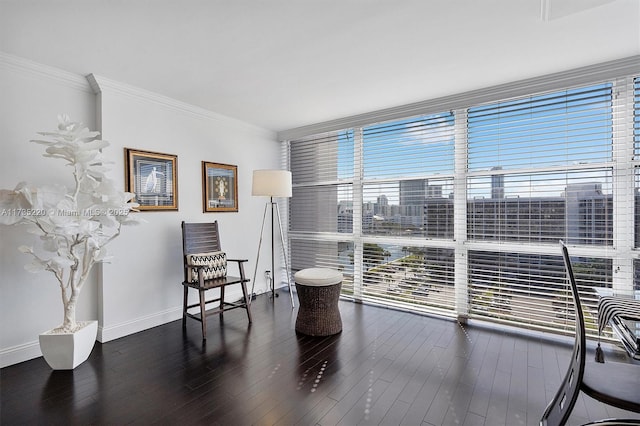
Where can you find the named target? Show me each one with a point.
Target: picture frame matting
(153, 178)
(219, 187)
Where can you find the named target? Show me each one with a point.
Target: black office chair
(205, 269)
(613, 383)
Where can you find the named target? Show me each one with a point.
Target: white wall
(138, 297)
(141, 287)
(32, 97)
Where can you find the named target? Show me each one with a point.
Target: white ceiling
(281, 64)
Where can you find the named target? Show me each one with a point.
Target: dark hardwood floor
(386, 367)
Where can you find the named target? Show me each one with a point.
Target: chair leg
(247, 303)
(243, 283)
(203, 315)
(221, 301)
(184, 307)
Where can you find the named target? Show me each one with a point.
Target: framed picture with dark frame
(219, 187)
(153, 178)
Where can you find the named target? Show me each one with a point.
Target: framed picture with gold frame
(153, 178)
(219, 187)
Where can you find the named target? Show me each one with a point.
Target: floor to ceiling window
(540, 170)
(458, 212)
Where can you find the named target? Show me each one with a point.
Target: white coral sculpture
(74, 224)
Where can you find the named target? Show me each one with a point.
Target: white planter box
(65, 351)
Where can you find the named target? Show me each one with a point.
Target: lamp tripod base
(270, 285)
(269, 274)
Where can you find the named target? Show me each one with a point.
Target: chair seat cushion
(211, 265)
(615, 383)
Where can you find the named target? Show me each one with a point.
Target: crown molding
(95, 85)
(101, 84)
(557, 81)
(21, 65)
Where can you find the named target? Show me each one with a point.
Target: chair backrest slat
(200, 237)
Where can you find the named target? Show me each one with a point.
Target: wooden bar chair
(205, 267)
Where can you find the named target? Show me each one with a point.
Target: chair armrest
(187, 274)
(241, 263)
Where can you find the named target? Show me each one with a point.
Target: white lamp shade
(271, 183)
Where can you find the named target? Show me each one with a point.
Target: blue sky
(565, 128)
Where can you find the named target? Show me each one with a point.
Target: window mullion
(460, 213)
(623, 177)
(357, 213)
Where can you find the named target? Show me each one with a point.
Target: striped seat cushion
(610, 307)
(212, 265)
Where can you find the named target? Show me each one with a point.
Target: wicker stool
(318, 293)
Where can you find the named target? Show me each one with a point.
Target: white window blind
(540, 170)
(636, 156)
(322, 177)
(307, 252)
(637, 206)
(380, 201)
(321, 159)
(407, 188)
(564, 133)
(417, 207)
(562, 128)
(542, 207)
(321, 208)
(530, 290)
(412, 147)
(636, 117)
(411, 277)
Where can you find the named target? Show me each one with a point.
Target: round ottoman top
(317, 277)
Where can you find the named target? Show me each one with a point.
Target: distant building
(434, 191)
(589, 214)
(382, 206)
(582, 214)
(412, 192)
(497, 184)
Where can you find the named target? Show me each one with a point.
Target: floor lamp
(272, 183)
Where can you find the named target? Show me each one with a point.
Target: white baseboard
(31, 350)
(20, 353)
(112, 332)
